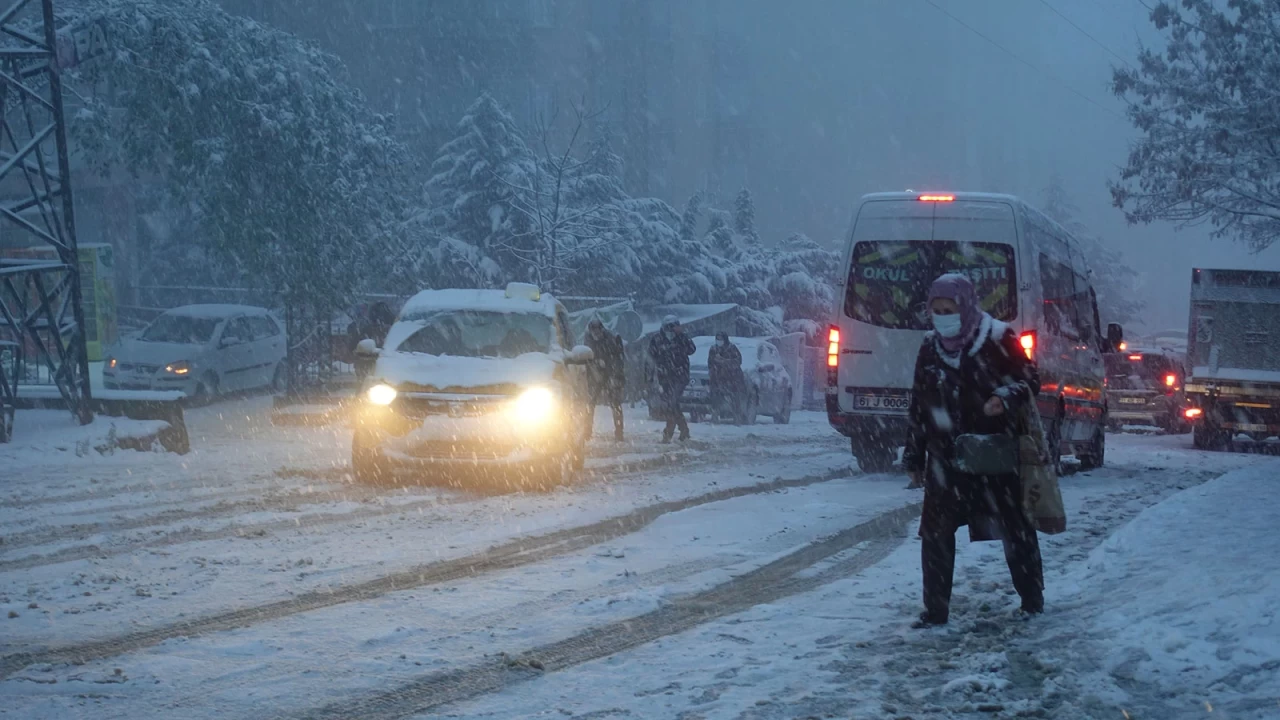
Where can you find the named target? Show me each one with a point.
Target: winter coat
(608, 368)
(671, 359)
(947, 398)
(725, 366)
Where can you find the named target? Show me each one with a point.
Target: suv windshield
(181, 329)
(478, 333)
(889, 281)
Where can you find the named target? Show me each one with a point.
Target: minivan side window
(1085, 312)
(1060, 306)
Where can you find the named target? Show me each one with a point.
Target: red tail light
(1028, 342)
(1193, 413)
(937, 198)
(833, 347)
(1170, 379)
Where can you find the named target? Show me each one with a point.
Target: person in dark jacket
(971, 377)
(724, 365)
(669, 350)
(606, 375)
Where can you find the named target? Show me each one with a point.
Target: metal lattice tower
(40, 303)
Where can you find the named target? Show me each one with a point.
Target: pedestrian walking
(669, 350)
(606, 375)
(972, 381)
(724, 365)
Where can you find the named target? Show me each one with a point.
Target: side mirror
(367, 348)
(1115, 336)
(580, 355)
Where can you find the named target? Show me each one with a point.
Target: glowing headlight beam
(535, 405)
(381, 394)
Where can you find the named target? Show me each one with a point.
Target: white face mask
(669, 334)
(948, 326)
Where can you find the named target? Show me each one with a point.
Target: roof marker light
(936, 198)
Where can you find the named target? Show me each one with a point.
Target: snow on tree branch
(1207, 108)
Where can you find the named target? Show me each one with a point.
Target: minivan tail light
(1028, 342)
(833, 347)
(937, 198)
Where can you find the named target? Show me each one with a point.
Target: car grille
(135, 367)
(415, 405)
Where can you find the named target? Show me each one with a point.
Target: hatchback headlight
(182, 367)
(381, 394)
(535, 406)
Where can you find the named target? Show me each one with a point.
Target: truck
(1233, 350)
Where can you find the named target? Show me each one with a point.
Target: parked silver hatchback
(203, 351)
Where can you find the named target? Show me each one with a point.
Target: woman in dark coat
(971, 377)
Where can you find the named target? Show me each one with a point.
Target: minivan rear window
(889, 280)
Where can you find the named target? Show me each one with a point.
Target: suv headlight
(182, 367)
(381, 394)
(535, 406)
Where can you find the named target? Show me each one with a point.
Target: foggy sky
(873, 95)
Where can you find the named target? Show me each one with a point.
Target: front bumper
(116, 380)
(411, 437)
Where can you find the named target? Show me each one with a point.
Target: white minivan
(1029, 272)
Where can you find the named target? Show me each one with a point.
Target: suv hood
(446, 373)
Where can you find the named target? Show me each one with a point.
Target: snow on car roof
(216, 310)
(472, 299)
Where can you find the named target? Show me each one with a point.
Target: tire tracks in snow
(511, 554)
(776, 580)
(185, 535)
(280, 503)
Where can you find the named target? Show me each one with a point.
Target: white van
(1029, 272)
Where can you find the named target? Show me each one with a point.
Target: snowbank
(1186, 595)
(41, 432)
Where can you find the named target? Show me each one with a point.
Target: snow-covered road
(753, 573)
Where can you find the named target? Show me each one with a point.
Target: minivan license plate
(882, 403)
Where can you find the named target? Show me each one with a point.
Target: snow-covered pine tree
(806, 284)
(476, 180)
(293, 184)
(744, 217)
(689, 219)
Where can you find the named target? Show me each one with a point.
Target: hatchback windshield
(889, 281)
(478, 333)
(182, 329)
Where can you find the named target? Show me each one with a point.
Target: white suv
(474, 379)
